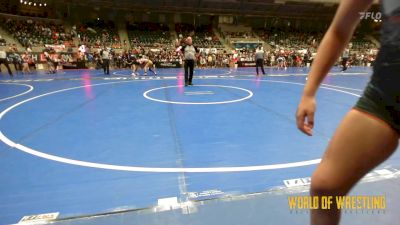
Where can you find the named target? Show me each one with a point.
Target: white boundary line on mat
(37, 153)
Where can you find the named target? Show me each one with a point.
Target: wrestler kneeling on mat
(146, 65)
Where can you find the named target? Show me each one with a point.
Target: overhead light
(280, 1)
(40, 4)
(34, 4)
(30, 3)
(45, 4)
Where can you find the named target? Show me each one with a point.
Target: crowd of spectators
(153, 40)
(203, 36)
(242, 35)
(97, 33)
(3, 41)
(31, 33)
(206, 39)
(290, 39)
(149, 35)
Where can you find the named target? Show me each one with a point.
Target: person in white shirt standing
(259, 57)
(105, 58)
(3, 60)
(345, 59)
(189, 53)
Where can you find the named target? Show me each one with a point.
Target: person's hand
(305, 115)
(177, 43)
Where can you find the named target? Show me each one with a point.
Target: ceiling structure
(267, 8)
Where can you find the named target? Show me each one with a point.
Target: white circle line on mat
(14, 96)
(37, 153)
(146, 95)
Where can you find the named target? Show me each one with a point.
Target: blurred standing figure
(345, 59)
(25, 61)
(259, 57)
(50, 62)
(189, 54)
(3, 60)
(105, 57)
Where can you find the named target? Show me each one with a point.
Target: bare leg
(136, 69)
(146, 68)
(153, 69)
(133, 68)
(25, 68)
(360, 143)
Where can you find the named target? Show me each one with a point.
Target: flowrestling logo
(370, 15)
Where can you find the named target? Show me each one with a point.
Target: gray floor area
(268, 208)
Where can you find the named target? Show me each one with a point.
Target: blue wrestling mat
(81, 143)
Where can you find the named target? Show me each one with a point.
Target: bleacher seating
(98, 33)
(35, 33)
(149, 35)
(3, 42)
(203, 36)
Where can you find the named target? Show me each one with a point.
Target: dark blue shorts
(381, 98)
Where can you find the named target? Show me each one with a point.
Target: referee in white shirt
(105, 57)
(259, 56)
(189, 53)
(345, 59)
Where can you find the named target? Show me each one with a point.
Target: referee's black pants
(344, 63)
(5, 62)
(260, 63)
(106, 66)
(189, 66)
